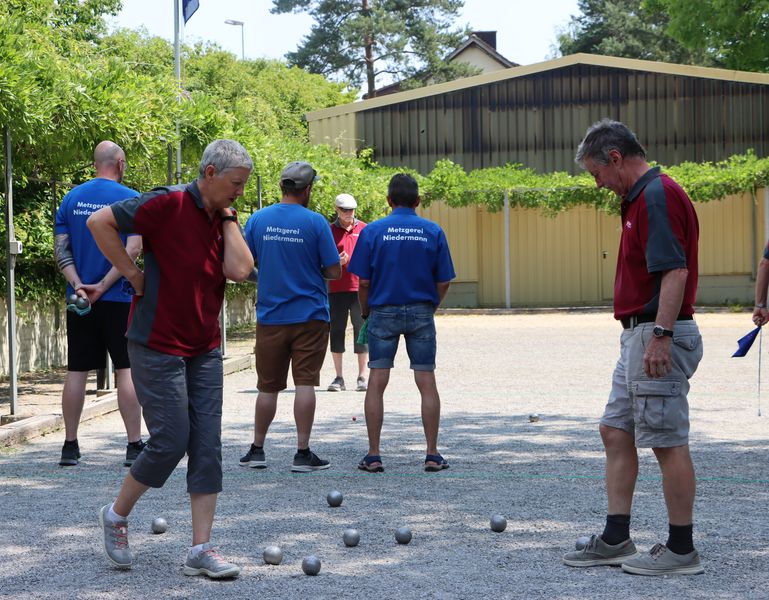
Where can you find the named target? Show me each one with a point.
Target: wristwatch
(232, 218)
(659, 331)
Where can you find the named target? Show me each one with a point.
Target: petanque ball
(273, 555)
(498, 523)
(351, 537)
(72, 298)
(582, 542)
(533, 418)
(159, 525)
(334, 498)
(311, 565)
(403, 535)
(82, 302)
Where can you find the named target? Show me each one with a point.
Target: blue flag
(745, 342)
(188, 9)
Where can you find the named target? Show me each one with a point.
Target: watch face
(658, 331)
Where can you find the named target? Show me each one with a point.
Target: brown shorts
(301, 344)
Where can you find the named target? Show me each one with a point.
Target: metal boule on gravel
(351, 537)
(403, 535)
(159, 525)
(533, 418)
(272, 555)
(582, 542)
(334, 498)
(498, 523)
(311, 565)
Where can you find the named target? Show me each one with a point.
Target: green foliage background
(65, 85)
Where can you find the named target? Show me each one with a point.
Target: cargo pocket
(655, 403)
(687, 352)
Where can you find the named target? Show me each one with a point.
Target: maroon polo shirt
(660, 232)
(183, 276)
(345, 240)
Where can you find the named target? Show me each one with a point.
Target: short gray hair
(225, 154)
(604, 136)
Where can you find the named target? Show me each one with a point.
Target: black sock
(680, 539)
(255, 447)
(70, 442)
(617, 529)
(303, 451)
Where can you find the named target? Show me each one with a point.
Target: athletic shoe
(115, 540)
(362, 385)
(70, 454)
(337, 385)
(208, 562)
(661, 561)
(597, 552)
(132, 452)
(254, 458)
(307, 463)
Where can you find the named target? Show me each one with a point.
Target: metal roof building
(537, 114)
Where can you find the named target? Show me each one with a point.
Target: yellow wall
(571, 258)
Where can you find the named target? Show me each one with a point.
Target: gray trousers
(181, 398)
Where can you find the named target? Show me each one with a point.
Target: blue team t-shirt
(403, 256)
(74, 211)
(291, 245)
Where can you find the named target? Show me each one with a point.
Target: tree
(626, 28)
(732, 34)
(362, 40)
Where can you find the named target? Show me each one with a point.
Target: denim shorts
(415, 322)
(655, 411)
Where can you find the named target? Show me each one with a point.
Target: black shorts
(91, 336)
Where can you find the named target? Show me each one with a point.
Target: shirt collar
(193, 189)
(404, 210)
(338, 224)
(639, 185)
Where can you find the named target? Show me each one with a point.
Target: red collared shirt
(345, 241)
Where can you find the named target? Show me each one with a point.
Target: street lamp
(242, 38)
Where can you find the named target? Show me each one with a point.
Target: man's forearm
(442, 287)
(762, 281)
(103, 227)
(363, 297)
(671, 296)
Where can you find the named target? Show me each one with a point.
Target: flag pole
(760, 339)
(178, 72)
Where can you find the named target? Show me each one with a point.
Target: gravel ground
(545, 477)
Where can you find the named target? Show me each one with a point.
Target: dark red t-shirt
(345, 240)
(183, 276)
(660, 232)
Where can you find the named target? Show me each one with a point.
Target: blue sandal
(367, 464)
(441, 463)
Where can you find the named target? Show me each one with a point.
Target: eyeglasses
(346, 210)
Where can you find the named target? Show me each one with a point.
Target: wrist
(760, 305)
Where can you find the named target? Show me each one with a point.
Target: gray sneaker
(254, 458)
(337, 385)
(362, 385)
(597, 552)
(661, 561)
(208, 562)
(115, 542)
(307, 463)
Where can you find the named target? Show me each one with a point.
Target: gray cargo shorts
(656, 411)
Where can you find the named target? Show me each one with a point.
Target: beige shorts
(655, 411)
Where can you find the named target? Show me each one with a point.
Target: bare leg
(203, 509)
(337, 357)
(374, 407)
(621, 469)
(678, 483)
(362, 361)
(129, 407)
(431, 408)
(304, 414)
(264, 413)
(72, 400)
(129, 495)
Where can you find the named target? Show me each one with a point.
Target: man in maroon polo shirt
(192, 244)
(660, 349)
(343, 293)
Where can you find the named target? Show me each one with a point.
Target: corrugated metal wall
(538, 119)
(570, 259)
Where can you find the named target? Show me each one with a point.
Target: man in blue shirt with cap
(405, 269)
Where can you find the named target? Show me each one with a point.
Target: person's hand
(92, 291)
(760, 316)
(137, 282)
(344, 258)
(657, 358)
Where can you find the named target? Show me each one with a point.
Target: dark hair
(403, 190)
(604, 136)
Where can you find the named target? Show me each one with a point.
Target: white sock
(195, 549)
(113, 516)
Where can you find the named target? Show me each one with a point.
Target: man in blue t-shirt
(405, 269)
(295, 253)
(90, 275)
